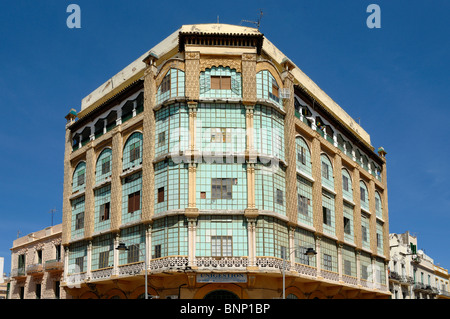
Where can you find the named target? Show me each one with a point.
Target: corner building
(216, 157)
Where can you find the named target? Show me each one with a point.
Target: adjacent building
(225, 172)
(37, 265)
(412, 273)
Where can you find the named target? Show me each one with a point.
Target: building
(36, 265)
(218, 164)
(412, 273)
(3, 280)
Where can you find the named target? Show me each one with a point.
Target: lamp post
(123, 247)
(309, 252)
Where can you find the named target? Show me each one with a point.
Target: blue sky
(393, 79)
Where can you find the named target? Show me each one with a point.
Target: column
(291, 251)
(148, 245)
(67, 186)
(318, 256)
(338, 201)
(116, 182)
(251, 233)
(148, 141)
(192, 232)
(358, 266)
(116, 254)
(317, 185)
(89, 215)
(89, 259)
(340, 263)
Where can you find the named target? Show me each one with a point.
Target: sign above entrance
(221, 278)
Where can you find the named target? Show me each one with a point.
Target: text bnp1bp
(239, 308)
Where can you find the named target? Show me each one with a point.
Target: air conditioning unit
(285, 93)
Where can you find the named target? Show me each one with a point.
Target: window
(157, 251)
(79, 262)
(220, 82)
(104, 211)
(134, 202)
(221, 188)
(103, 259)
(133, 253)
(379, 240)
(301, 157)
(345, 183)
(79, 221)
(220, 135)
(80, 177)
(38, 291)
(363, 194)
(221, 246)
(326, 216)
(165, 84)
(161, 138)
(58, 252)
(325, 173)
(303, 203)
(279, 197)
(364, 233)
(39, 256)
(347, 267)
(106, 165)
(300, 253)
(274, 88)
(347, 226)
(327, 262)
(364, 272)
(57, 289)
(160, 194)
(135, 151)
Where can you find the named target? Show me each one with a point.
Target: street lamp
(123, 247)
(309, 252)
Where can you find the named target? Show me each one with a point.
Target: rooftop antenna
(257, 23)
(18, 233)
(53, 211)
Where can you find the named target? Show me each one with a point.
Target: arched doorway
(221, 294)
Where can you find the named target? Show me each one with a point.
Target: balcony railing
(54, 265)
(35, 269)
(18, 273)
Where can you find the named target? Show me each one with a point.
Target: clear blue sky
(394, 79)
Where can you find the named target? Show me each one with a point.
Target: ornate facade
(218, 164)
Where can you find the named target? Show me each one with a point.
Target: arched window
(267, 87)
(220, 82)
(79, 177)
(172, 85)
(132, 152)
(303, 155)
(347, 189)
(364, 195)
(378, 205)
(103, 167)
(327, 172)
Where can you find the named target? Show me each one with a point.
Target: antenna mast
(53, 211)
(257, 23)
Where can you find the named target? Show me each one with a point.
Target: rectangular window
(221, 82)
(279, 197)
(301, 156)
(80, 178)
(220, 135)
(103, 259)
(58, 252)
(106, 165)
(325, 170)
(79, 262)
(345, 183)
(364, 272)
(379, 240)
(347, 267)
(135, 151)
(300, 253)
(364, 233)
(157, 251)
(21, 261)
(275, 88)
(38, 291)
(165, 84)
(104, 212)
(326, 216)
(347, 226)
(39, 256)
(302, 204)
(363, 194)
(133, 253)
(79, 221)
(134, 202)
(327, 262)
(221, 188)
(57, 289)
(377, 204)
(161, 138)
(160, 194)
(221, 246)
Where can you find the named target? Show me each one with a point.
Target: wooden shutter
(137, 200)
(215, 82)
(225, 83)
(160, 194)
(131, 203)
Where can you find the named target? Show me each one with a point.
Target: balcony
(18, 273)
(54, 265)
(35, 270)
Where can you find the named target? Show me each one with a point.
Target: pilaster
(116, 183)
(317, 185)
(89, 208)
(339, 201)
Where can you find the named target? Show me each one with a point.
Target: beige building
(226, 173)
(412, 273)
(36, 265)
